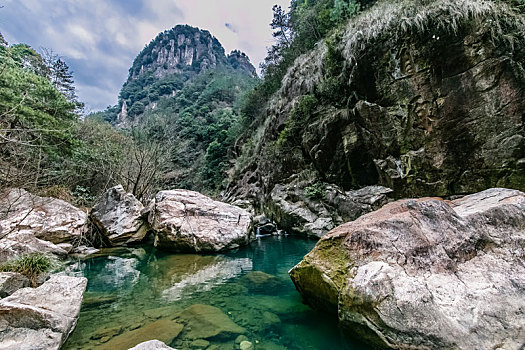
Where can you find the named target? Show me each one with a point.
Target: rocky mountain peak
(240, 61)
(185, 49)
(180, 49)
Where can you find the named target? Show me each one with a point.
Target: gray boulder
(118, 215)
(43, 317)
(29, 223)
(314, 209)
(189, 221)
(151, 345)
(10, 282)
(426, 273)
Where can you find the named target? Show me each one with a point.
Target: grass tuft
(30, 265)
(398, 19)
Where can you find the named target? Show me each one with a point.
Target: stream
(138, 294)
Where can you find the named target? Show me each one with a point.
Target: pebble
(246, 345)
(240, 339)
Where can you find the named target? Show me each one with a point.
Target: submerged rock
(29, 223)
(206, 321)
(261, 282)
(43, 317)
(189, 221)
(199, 344)
(246, 345)
(426, 273)
(165, 330)
(151, 345)
(118, 215)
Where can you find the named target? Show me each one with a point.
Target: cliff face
(428, 100)
(177, 50)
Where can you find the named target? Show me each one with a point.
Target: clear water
(129, 289)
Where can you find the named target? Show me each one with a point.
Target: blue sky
(100, 38)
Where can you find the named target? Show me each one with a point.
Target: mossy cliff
(424, 97)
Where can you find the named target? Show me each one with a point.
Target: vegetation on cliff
(183, 93)
(386, 99)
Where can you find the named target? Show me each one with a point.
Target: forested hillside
(46, 146)
(183, 93)
(422, 97)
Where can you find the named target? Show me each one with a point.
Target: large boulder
(426, 273)
(313, 209)
(118, 215)
(43, 317)
(189, 221)
(29, 223)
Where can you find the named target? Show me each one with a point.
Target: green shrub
(300, 117)
(315, 191)
(30, 265)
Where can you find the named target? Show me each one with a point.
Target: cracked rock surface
(43, 317)
(118, 215)
(187, 221)
(426, 273)
(29, 224)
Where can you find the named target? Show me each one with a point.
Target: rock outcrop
(179, 49)
(423, 98)
(315, 209)
(29, 223)
(118, 215)
(426, 273)
(43, 317)
(189, 221)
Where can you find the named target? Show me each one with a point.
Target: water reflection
(207, 278)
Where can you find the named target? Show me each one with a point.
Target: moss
(315, 191)
(331, 253)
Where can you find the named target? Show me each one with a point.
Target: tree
(2, 41)
(60, 76)
(281, 25)
(344, 9)
(35, 121)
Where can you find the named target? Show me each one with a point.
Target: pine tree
(2, 41)
(281, 25)
(62, 79)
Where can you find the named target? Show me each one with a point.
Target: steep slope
(181, 95)
(424, 97)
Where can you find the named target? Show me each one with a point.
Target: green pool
(200, 301)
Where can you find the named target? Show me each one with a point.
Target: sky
(100, 38)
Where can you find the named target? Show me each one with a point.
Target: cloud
(231, 27)
(100, 38)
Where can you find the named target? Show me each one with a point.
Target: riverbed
(141, 293)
